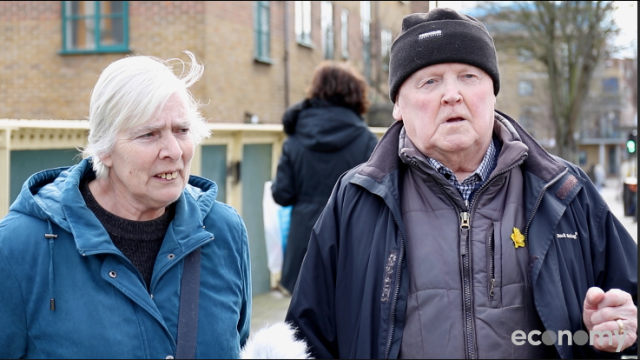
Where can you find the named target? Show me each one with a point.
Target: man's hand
(601, 312)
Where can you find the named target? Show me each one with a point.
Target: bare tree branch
(569, 38)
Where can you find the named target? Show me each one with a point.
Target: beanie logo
(430, 34)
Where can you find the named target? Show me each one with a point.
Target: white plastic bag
(276, 230)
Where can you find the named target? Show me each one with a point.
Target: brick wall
(37, 82)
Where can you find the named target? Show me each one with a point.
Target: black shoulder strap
(188, 314)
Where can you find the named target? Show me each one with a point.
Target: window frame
(611, 86)
(365, 29)
(344, 33)
(529, 88)
(303, 16)
(99, 49)
(386, 39)
(327, 29)
(259, 31)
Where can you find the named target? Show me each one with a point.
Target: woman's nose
(170, 148)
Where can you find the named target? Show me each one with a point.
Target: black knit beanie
(441, 36)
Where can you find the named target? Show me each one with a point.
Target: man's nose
(170, 147)
(451, 93)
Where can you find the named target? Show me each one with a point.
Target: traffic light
(631, 142)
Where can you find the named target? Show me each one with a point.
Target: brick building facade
(42, 76)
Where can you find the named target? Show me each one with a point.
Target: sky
(626, 16)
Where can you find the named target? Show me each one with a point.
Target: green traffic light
(631, 146)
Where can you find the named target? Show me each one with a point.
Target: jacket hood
(50, 194)
(322, 126)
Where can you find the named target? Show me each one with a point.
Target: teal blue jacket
(102, 306)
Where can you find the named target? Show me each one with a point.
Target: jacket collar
(539, 162)
(384, 159)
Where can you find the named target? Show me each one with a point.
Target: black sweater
(139, 241)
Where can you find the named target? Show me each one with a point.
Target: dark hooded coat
(324, 141)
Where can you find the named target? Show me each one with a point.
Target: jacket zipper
(465, 227)
(466, 282)
(492, 265)
(395, 296)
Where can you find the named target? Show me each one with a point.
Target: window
(385, 48)
(610, 85)
(262, 32)
(365, 25)
(526, 120)
(525, 88)
(582, 158)
(344, 33)
(524, 55)
(327, 29)
(303, 22)
(95, 26)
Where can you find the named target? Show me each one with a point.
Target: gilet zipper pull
(464, 220)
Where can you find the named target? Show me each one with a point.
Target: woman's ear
(106, 160)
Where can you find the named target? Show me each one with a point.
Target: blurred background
(568, 75)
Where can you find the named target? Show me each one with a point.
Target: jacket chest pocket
(508, 284)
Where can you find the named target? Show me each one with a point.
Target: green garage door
(214, 167)
(25, 163)
(254, 172)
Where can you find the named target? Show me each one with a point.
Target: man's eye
(430, 82)
(469, 76)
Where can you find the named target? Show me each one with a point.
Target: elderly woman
(125, 255)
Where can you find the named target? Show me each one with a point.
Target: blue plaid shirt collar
(470, 184)
(475, 180)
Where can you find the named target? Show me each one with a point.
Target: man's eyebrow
(182, 124)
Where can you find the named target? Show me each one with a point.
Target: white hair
(132, 91)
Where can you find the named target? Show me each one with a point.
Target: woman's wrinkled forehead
(174, 106)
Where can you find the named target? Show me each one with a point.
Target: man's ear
(397, 112)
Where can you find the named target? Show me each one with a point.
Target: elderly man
(461, 236)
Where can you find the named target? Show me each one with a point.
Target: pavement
(271, 307)
(268, 309)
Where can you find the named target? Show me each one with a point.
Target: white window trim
(326, 25)
(344, 33)
(303, 22)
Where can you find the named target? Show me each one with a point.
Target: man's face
(150, 164)
(447, 108)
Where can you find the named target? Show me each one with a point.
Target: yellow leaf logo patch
(518, 238)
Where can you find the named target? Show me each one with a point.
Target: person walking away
(327, 136)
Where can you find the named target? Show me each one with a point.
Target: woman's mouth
(168, 176)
